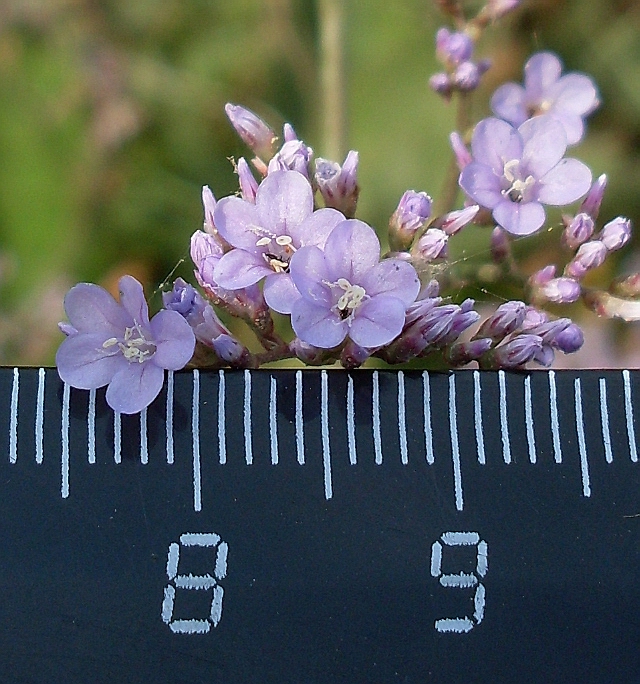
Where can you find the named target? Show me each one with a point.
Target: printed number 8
(462, 580)
(194, 582)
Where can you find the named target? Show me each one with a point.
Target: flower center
(280, 249)
(134, 345)
(350, 299)
(517, 189)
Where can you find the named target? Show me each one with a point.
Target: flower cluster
(287, 248)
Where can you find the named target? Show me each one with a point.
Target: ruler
(322, 526)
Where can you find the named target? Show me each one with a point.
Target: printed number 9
(461, 580)
(194, 582)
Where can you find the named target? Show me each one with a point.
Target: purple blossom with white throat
(347, 291)
(116, 344)
(515, 172)
(268, 233)
(569, 98)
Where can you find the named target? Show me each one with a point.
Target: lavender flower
(453, 48)
(116, 344)
(347, 291)
(568, 98)
(338, 185)
(516, 171)
(413, 211)
(268, 233)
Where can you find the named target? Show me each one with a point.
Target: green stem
(332, 86)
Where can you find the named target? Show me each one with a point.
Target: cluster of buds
(454, 50)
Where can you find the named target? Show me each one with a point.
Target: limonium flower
(516, 170)
(268, 233)
(569, 98)
(347, 291)
(115, 344)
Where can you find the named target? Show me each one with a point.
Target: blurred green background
(111, 120)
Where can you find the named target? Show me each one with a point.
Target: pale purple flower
(569, 98)
(432, 245)
(453, 48)
(579, 230)
(590, 255)
(207, 327)
(338, 184)
(258, 136)
(516, 171)
(616, 233)
(413, 211)
(347, 291)
(268, 233)
(115, 344)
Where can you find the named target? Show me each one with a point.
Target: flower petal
(280, 292)
(574, 93)
(134, 387)
(309, 273)
(481, 184)
(239, 223)
(317, 325)
(508, 103)
(238, 269)
(540, 73)
(133, 301)
(91, 309)
(174, 340)
(545, 142)
(565, 183)
(494, 142)
(377, 321)
(316, 229)
(393, 277)
(519, 219)
(351, 250)
(283, 201)
(84, 363)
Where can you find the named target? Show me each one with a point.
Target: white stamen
(263, 241)
(109, 343)
(283, 240)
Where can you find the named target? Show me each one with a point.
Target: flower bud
(518, 351)
(590, 255)
(616, 233)
(500, 245)
(466, 77)
(292, 156)
(184, 299)
(506, 319)
(206, 250)
(561, 290)
(338, 185)
(570, 339)
(255, 133)
(498, 8)
(431, 246)
(288, 133)
(441, 84)
(248, 183)
(209, 204)
(453, 48)
(543, 276)
(591, 203)
(579, 230)
(414, 209)
(628, 287)
(454, 221)
(462, 353)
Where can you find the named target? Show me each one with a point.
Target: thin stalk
(332, 77)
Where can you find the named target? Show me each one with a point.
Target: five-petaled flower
(347, 291)
(115, 344)
(516, 170)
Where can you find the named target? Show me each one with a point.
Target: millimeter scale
(317, 527)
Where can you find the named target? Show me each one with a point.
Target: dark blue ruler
(318, 527)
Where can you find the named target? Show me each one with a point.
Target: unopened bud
(500, 245)
(453, 48)
(248, 183)
(616, 233)
(454, 221)
(561, 290)
(414, 209)
(507, 318)
(569, 340)
(590, 255)
(294, 155)
(579, 230)
(432, 245)
(338, 185)
(209, 204)
(441, 84)
(591, 203)
(255, 133)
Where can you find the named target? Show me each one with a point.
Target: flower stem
(332, 86)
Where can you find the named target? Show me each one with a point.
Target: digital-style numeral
(462, 580)
(195, 582)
